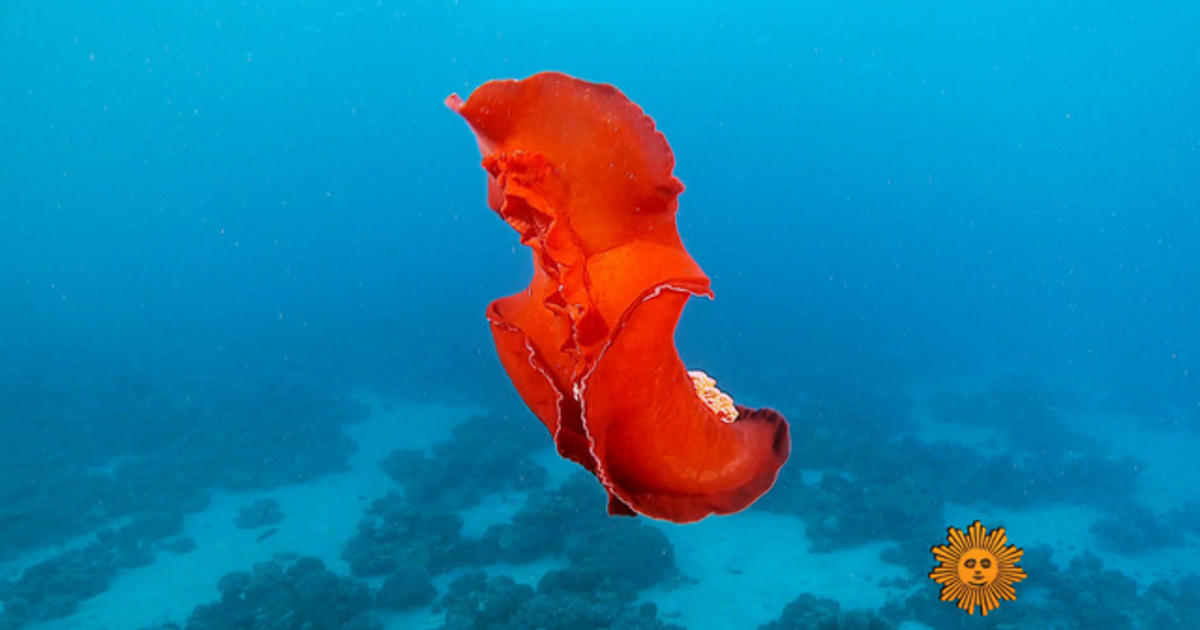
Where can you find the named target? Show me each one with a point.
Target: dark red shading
(585, 178)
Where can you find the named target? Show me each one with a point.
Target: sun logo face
(978, 568)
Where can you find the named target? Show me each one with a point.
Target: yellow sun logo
(977, 569)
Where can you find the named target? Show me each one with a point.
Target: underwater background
(246, 381)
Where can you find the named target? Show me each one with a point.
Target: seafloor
(290, 507)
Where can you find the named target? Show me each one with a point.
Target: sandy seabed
(736, 572)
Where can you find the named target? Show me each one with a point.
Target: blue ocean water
(245, 377)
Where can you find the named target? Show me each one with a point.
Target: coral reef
(1028, 413)
(1084, 596)
(396, 534)
(808, 612)
(52, 589)
(475, 601)
(547, 519)
(622, 553)
(408, 587)
(1133, 529)
(898, 492)
(190, 434)
(625, 554)
(283, 594)
(485, 454)
(609, 561)
(261, 513)
(1185, 518)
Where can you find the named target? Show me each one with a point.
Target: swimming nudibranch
(585, 178)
